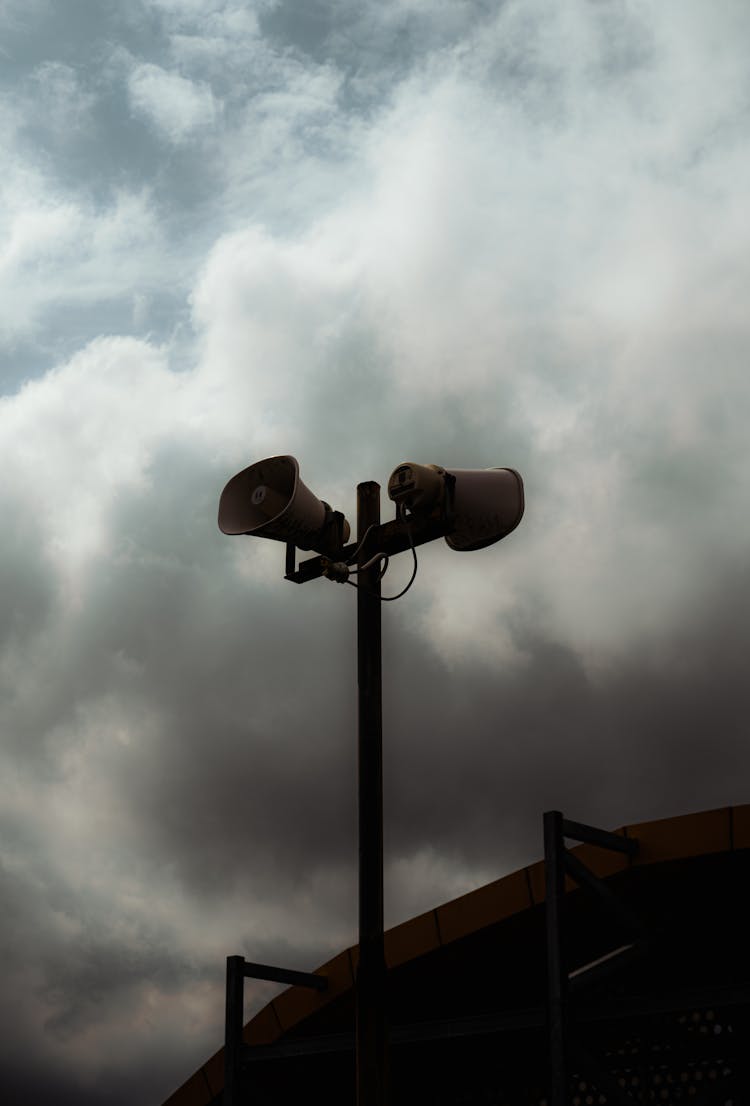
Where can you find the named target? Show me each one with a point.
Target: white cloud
(57, 99)
(62, 249)
(198, 10)
(267, 311)
(74, 440)
(549, 278)
(473, 244)
(175, 106)
(19, 14)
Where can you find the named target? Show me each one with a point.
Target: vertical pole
(370, 989)
(233, 1029)
(557, 980)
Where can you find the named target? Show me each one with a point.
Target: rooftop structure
(661, 1015)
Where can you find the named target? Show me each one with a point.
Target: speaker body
(269, 500)
(487, 505)
(484, 504)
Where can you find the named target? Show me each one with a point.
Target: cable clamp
(336, 570)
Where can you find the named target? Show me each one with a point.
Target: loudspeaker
(482, 505)
(269, 500)
(487, 505)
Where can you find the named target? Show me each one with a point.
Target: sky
(359, 232)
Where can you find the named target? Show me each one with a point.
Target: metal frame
(587, 1023)
(238, 970)
(719, 998)
(558, 863)
(390, 538)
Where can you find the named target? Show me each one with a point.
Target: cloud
(17, 14)
(67, 460)
(55, 101)
(518, 239)
(62, 250)
(176, 106)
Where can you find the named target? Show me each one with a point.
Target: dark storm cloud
(662, 733)
(66, 961)
(26, 590)
(237, 681)
(250, 781)
(252, 693)
(260, 719)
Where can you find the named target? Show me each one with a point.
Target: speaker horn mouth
(258, 495)
(269, 500)
(488, 505)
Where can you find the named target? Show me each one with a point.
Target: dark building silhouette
(659, 1016)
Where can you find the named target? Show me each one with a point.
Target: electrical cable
(388, 598)
(370, 563)
(355, 554)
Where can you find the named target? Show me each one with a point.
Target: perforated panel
(690, 1057)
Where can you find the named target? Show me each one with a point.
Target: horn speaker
(269, 500)
(487, 505)
(484, 504)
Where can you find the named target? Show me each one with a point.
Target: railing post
(554, 873)
(233, 1029)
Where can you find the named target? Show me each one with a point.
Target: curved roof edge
(682, 837)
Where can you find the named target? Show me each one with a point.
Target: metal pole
(370, 989)
(233, 1029)
(554, 893)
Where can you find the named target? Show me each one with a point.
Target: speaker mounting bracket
(389, 538)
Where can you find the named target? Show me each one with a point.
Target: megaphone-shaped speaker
(269, 500)
(484, 505)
